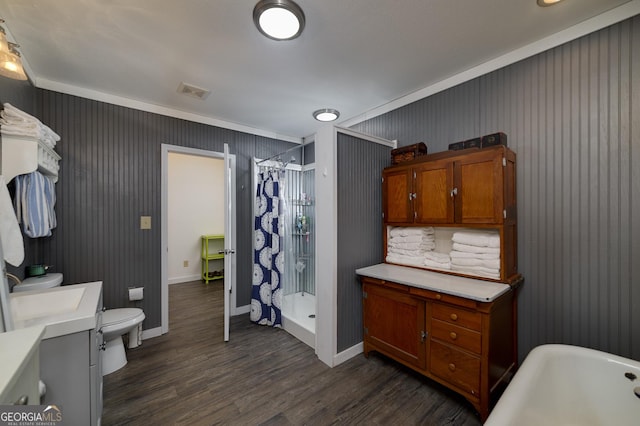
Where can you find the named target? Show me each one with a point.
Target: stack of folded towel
(476, 253)
(407, 246)
(16, 122)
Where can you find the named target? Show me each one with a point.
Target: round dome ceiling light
(326, 114)
(279, 19)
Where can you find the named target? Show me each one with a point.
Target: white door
(229, 238)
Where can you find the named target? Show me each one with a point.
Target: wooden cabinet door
(394, 324)
(479, 191)
(434, 202)
(397, 196)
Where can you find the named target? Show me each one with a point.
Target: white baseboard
(348, 354)
(184, 279)
(239, 310)
(151, 333)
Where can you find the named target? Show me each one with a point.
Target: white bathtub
(570, 385)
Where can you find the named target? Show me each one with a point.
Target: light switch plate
(145, 222)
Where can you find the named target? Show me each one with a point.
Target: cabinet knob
(453, 317)
(23, 400)
(452, 367)
(438, 296)
(454, 192)
(453, 335)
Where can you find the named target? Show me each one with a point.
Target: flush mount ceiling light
(279, 19)
(545, 3)
(326, 114)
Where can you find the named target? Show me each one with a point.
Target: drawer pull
(452, 367)
(438, 296)
(453, 317)
(453, 335)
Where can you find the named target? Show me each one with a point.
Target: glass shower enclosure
(298, 281)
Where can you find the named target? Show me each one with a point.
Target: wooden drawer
(455, 335)
(457, 316)
(456, 367)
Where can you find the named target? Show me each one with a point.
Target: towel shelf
(21, 155)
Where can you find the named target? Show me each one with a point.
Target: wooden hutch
(457, 329)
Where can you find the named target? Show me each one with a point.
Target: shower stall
(298, 245)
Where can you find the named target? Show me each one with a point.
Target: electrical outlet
(145, 222)
(185, 263)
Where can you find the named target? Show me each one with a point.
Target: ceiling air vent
(193, 91)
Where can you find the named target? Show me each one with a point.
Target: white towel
(405, 252)
(407, 239)
(466, 255)
(477, 270)
(12, 243)
(475, 249)
(17, 122)
(405, 260)
(437, 265)
(470, 261)
(437, 257)
(400, 231)
(480, 239)
(413, 246)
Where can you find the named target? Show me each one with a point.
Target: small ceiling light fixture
(545, 3)
(326, 114)
(279, 19)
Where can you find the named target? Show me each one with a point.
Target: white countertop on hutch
(470, 288)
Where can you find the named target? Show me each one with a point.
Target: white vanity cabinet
(71, 368)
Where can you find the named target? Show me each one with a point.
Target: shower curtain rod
(279, 154)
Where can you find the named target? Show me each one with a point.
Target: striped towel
(34, 203)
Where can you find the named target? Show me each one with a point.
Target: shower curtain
(268, 259)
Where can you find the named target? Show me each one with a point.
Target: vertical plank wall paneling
(110, 176)
(359, 169)
(571, 116)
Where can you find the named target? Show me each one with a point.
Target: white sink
(62, 310)
(30, 306)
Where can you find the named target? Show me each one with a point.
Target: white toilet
(41, 282)
(115, 323)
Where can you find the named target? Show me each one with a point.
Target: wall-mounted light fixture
(326, 114)
(10, 60)
(279, 19)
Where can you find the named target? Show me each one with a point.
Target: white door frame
(164, 294)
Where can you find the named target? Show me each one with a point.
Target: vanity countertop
(62, 310)
(16, 348)
(470, 288)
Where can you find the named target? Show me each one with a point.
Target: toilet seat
(121, 318)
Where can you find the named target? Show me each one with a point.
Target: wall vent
(193, 91)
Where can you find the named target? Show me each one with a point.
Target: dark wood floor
(263, 376)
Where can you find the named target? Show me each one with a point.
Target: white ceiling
(354, 55)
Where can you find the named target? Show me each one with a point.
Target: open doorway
(192, 206)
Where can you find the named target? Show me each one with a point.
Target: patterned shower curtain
(268, 259)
